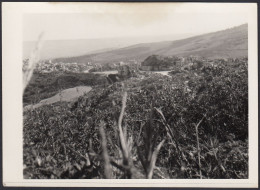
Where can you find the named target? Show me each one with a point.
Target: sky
(132, 19)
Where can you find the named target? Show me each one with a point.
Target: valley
(163, 110)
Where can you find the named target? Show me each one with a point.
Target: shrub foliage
(159, 124)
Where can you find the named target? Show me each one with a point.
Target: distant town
(152, 63)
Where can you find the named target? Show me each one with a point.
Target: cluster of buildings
(49, 66)
(164, 63)
(151, 63)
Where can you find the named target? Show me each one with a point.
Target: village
(151, 63)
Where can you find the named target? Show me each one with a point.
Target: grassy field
(193, 124)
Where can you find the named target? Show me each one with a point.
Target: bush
(62, 141)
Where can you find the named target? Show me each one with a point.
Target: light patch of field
(166, 73)
(163, 72)
(67, 95)
(106, 72)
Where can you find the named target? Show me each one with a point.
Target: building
(158, 63)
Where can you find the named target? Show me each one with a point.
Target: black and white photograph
(136, 91)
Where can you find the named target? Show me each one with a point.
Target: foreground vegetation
(193, 124)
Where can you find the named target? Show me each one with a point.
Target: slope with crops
(193, 124)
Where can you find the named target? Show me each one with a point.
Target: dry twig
(198, 145)
(34, 58)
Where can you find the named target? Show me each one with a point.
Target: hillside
(67, 48)
(190, 125)
(46, 85)
(231, 42)
(76, 47)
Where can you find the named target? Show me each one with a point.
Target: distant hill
(70, 48)
(67, 48)
(227, 43)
